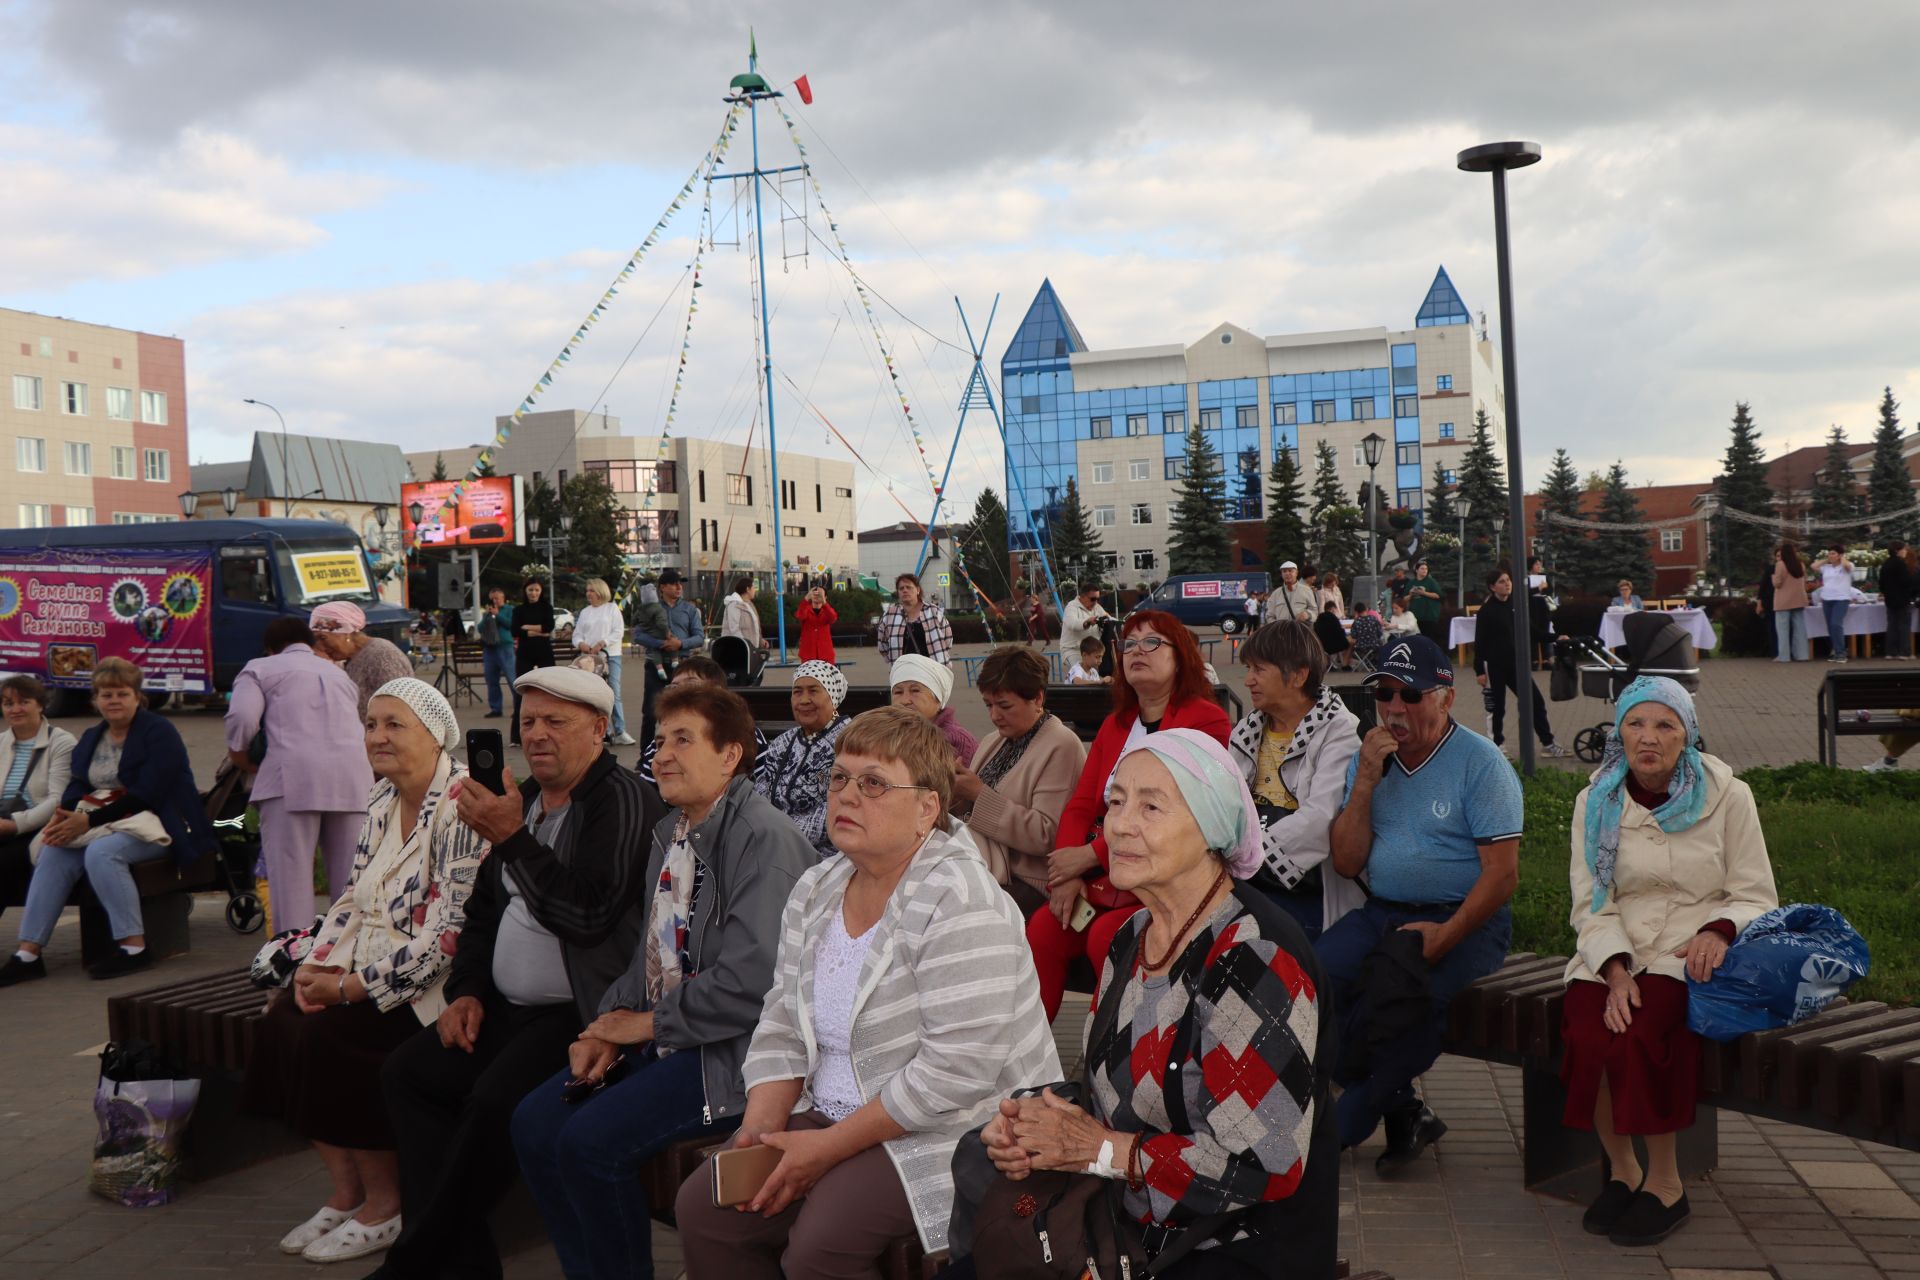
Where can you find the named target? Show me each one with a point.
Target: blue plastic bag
(1783, 967)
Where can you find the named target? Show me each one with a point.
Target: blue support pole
(766, 352)
(966, 402)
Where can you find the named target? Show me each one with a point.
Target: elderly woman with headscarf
(1669, 864)
(793, 773)
(1207, 1069)
(340, 634)
(374, 975)
(924, 687)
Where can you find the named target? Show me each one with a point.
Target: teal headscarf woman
(1606, 799)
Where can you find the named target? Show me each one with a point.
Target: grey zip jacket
(946, 1019)
(752, 855)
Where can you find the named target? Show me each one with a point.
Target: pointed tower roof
(1047, 333)
(1442, 304)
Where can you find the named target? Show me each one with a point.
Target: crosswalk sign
(946, 579)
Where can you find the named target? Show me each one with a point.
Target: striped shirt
(17, 775)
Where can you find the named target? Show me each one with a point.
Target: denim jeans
(107, 862)
(499, 667)
(1790, 627)
(618, 724)
(1343, 949)
(582, 1160)
(1836, 613)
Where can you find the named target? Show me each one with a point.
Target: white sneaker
(1557, 751)
(297, 1240)
(353, 1239)
(1881, 765)
(621, 740)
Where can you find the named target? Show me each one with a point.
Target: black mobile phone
(486, 759)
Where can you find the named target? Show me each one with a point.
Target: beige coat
(1014, 823)
(1667, 886)
(1789, 592)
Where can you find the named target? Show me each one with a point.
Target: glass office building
(1116, 421)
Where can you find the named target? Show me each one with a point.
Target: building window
(1410, 499)
(1143, 560)
(1109, 562)
(73, 398)
(626, 476)
(159, 464)
(1103, 473)
(839, 492)
(1362, 408)
(700, 478)
(793, 531)
(140, 517)
(1443, 382)
(1143, 513)
(35, 515)
(1102, 428)
(153, 407)
(79, 458)
(120, 404)
(1136, 424)
(1140, 469)
(1247, 415)
(26, 391)
(1446, 431)
(829, 535)
(1406, 406)
(30, 453)
(1359, 455)
(739, 490)
(1174, 424)
(819, 501)
(1286, 414)
(1249, 462)
(1407, 454)
(1672, 539)
(1451, 476)
(79, 516)
(1176, 470)
(1323, 411)
(1103, 518)
(1209, 419)
(122, 462)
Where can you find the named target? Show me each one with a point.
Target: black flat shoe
(1407, 1137)
(15, 970)
(1605, 1212)
(120, 964)
(1647, 1221)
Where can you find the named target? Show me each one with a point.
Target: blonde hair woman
(599, 629)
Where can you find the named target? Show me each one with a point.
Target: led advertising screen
(487, 513)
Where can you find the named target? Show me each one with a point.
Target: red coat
(816, 631)
(1089, 803)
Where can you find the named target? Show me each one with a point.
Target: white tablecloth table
(1692, 621)
(1460, 631)
(1864, 618)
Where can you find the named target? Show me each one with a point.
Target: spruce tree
(983, 544)
(1747, 549)
(1076, 547)
(1335, 538)
(1286, 529)
(1567, 550)
(439, 466)
(1623, 553)
(1890, 483)
(1440, 517)
(1484, 486)
(1833, 497)
(1198, 541)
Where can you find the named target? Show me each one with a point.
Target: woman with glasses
(1159, 683)
(793, 774)
(903, 1009)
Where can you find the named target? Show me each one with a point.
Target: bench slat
(1757, 1050)
(1798, 1056)
(1864, 1076)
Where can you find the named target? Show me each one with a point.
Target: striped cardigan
(946, 1020)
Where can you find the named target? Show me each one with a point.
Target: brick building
(1679, 552)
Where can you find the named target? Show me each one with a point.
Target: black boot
(1409, 1133)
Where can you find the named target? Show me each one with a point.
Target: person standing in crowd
(38, 768)
(924, 687)
(1426, 604)
(1433, 819)
(556, 912)
(1790, 603)
(496, 648)
(1082, 619)
(1330, 594)
(1251, 607)
(1030, 613)
(132, 770)
(1669, 864)
(532, 640)
(816, 618)
(1836, 597)
(374, 976)
(650, 629)
(1396, 587)
(340, 635)
(1539, 615)
(1497, 668)
(1292, 752)
(311, 785)
(599, 629)
(741, 618)
(1623, 597)
(673, 1029)
(794, 776)
(1294, 599)
(914, 624)
(1899, 588)
(1763, 605)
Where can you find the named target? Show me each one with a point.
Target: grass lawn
(1848, 840)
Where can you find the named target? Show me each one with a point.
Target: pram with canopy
(1584, 666)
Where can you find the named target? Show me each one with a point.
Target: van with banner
(1208, 599)
(186, 601)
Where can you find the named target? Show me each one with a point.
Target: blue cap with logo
(1414, 661)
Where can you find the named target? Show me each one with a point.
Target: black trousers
(16, 871)
(1500, 678)
(450, 1112)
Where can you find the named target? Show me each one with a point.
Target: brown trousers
(838, 1232)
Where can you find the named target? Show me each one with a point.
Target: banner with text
(63, 611)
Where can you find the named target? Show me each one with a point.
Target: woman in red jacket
(1159, 683)
(816, 618)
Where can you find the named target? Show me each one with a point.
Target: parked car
(1208, 599)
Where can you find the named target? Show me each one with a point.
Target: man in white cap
(1294, 599)
(556, 913)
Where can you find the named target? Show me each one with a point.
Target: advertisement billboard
(63, 611)
(487, 513)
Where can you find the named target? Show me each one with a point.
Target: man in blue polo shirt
(1432, 821)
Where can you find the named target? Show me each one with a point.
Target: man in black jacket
(555, 916)
(1497, 667)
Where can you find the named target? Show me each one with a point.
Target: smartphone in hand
(740, 1172)
(486, 759)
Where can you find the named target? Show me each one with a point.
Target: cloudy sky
(385, 218)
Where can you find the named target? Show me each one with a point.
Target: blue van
(186, 601)
(1208, 599)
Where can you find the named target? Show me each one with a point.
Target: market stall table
(1692, 621)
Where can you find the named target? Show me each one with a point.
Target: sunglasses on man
(1408, 697)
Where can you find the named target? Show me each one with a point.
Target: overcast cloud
(385, 218)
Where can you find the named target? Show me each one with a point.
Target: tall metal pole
(766, 352)
(1373, 562)
(966, 401)
(286, 494)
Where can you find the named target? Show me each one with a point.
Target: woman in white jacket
(599, 629)
(33, 776)
(1293, 752)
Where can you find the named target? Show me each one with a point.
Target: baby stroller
(1583, 666)
(743, 666)
(236, 849)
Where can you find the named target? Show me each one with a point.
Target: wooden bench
(1852, 1070)
(1853, 703)
(166, 901)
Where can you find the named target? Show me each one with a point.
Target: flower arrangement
(1440, 542)
(1400, 517)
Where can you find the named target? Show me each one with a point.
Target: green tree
(1440, 516)
(595, 547)
(439, 466)
(1335, 538)
(1833, 496)
(1483, 484)
(1197, 537)
(1621, 553)
(1286, 530)
(1076, 547)
(1745, 549)
(1568, 551)
(983, 544)
(1889, 482)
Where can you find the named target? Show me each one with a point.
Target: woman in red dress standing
(816, 626)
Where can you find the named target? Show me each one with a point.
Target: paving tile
(1850, 1203)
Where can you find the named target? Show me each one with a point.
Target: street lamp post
(552, 540)
(1496, 158)
(1499, 527)
(229, 499)
(1371, 444)
(189, 503)
(286, 507)
(1463, 507)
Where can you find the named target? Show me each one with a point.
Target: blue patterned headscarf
(1606, 796)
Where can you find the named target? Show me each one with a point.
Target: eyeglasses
(1143, 644)
(1408, 697)
(870, 785)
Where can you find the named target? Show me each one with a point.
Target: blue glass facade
(1442, 304)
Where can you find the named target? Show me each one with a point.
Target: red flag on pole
(806, 90)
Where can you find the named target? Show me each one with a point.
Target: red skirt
(1652, 1071)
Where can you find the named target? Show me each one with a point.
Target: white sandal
(353, 1239)
(297, 1240)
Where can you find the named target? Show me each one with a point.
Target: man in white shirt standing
(1294, 599)
(1082, 618)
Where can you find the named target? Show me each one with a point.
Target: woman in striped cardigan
(904, 1006)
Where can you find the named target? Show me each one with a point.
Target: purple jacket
(316, 746)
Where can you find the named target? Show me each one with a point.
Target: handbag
(145, 825)
(593, 662)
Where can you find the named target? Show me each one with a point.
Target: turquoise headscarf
(1606, 796)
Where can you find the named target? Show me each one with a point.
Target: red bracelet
(1136, 1180)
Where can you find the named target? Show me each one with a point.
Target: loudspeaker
(450, 589)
